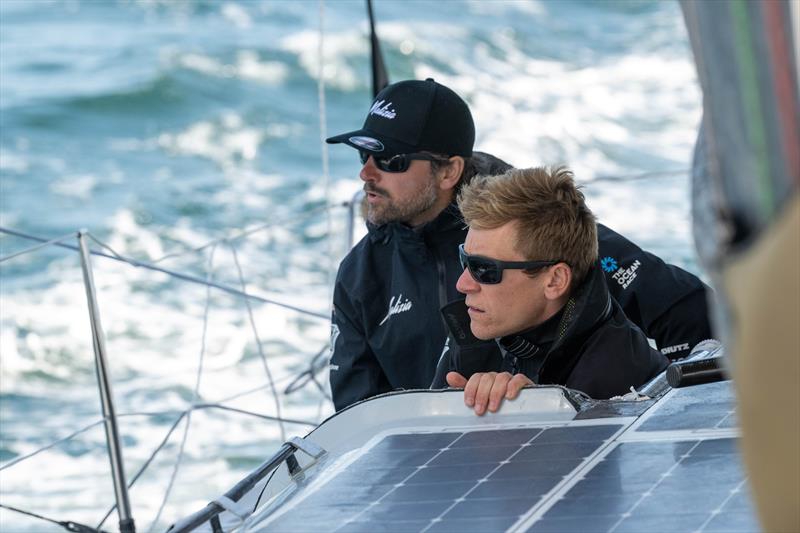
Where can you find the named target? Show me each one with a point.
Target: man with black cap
(387, 331)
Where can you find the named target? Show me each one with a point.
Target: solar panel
(667, 464)
(708, 406)
(657, 486)
(478, 480)
(676, 468)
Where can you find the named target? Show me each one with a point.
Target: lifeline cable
(250, 231)
(172, 273)
(196, 393)
(57, 240)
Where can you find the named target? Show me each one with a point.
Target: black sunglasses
(396, 163)
(488, 271)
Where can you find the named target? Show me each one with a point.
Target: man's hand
(488, 388)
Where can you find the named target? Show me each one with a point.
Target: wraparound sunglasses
(396, 163)
(488, 271)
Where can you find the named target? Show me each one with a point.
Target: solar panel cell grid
(704, 407)
(476, 480)
(654, 486)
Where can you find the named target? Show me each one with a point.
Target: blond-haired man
(532, 284)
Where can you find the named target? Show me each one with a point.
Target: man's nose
(369, 172)
(466, 284)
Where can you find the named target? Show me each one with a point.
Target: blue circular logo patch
(608, 264)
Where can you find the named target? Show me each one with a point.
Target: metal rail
(285, 454)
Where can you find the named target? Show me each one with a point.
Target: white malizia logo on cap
(378, 108)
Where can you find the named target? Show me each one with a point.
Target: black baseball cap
(413, 116)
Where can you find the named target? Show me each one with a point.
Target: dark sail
(380, 78)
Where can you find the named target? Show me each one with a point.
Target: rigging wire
(318, 362)
(250, 231)
(38, 246)
(172, 273)
(196, 393)
(146, 464)
(258, 341)
(51, 445)
(210, 405)
(67, 524)
(268, 386)
(323, 134)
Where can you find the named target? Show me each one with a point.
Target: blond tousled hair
(553, 221)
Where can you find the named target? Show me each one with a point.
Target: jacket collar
(584, 312)
(449, 219)
(589, 306)
(533, 342)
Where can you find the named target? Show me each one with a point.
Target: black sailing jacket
(387, 331)
(590, 345)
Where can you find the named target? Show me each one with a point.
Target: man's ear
(558, 282)
(451, 174)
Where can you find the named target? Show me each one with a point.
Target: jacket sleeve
(665, 301)
(614, 359)
(355, 373)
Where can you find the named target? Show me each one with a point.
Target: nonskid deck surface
(674, 467)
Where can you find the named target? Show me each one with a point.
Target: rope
(258, 343)
(172, 273)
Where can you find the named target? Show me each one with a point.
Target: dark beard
(394, 212)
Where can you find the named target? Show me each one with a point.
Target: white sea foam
(13, 162)
(339, 47)
(247, 66)
(224, 142)
(237, 13)
(77, 186)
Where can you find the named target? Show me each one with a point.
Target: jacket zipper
(442, 280)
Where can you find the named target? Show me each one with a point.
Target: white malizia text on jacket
(399, 306)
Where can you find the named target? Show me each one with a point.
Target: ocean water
(160, 126)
